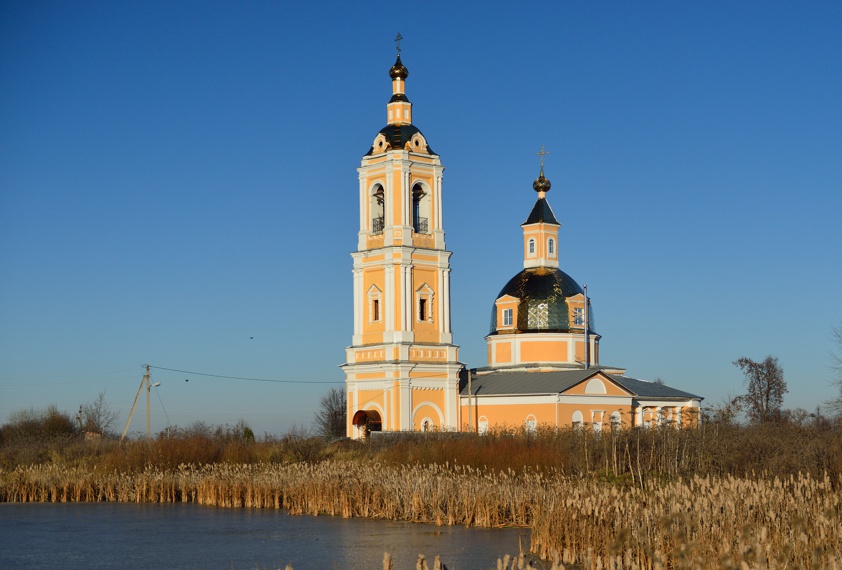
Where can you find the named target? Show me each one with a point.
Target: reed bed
(698, 522)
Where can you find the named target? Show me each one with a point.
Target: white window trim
(374, 294)
(426, 293)
(508, 317)
(531, 424)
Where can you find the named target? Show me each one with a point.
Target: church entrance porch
(367, 421)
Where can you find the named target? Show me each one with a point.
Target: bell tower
(402, 368)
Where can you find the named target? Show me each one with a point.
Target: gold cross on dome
(542, 154)
(398, 39)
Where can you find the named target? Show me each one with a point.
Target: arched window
(531, 247)
(551, 246)
(482, 425)
(531, 424)
(577, 420)
(378, 209)
(420, 210)
(616, 422)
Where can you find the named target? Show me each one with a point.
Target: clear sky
(178, 187)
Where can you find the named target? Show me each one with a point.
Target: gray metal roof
(522, 382)
(644, 389)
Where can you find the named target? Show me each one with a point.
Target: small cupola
(540, 230)
(399, 109)
(399, 133)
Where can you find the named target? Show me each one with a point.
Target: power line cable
(248, 379)
(157, 393)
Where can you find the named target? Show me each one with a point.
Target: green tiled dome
(543, 294)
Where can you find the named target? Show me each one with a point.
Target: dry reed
(700, 522)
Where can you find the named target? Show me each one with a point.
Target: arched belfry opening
(420, 210)
(367, 421)
(378, 209)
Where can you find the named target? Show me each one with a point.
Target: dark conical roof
(541, 212)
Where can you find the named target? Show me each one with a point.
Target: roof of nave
(645, 389)
(523, 382)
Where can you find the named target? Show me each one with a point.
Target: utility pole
(148, 391)
(143, 383)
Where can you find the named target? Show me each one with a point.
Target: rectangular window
(579, 316)
(422, 309)
(507, 317)
(375, 310)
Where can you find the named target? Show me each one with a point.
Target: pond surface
(128, 536)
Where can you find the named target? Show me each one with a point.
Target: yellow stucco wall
(424, 404)
(547, 414)
(370, 400)
(543, 351)
(373, 330)
(426, 330)
(503, 352)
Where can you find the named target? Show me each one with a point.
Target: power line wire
(162, 405)
(248, 379)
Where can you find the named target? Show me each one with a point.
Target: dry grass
(702, 522)
(720, 497)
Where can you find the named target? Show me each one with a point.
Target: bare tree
(330, 419)
(725, 411)
(97, 416)
(766, 388)
(835, 404)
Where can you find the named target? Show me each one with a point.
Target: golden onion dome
(398, 70)
(541, 183)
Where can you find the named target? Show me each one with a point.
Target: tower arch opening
(377, 207)
(420, 210)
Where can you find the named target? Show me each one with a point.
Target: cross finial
(542, 154)
(398, 39)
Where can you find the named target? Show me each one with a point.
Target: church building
(402, 369)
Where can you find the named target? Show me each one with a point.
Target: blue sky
(178, 187)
